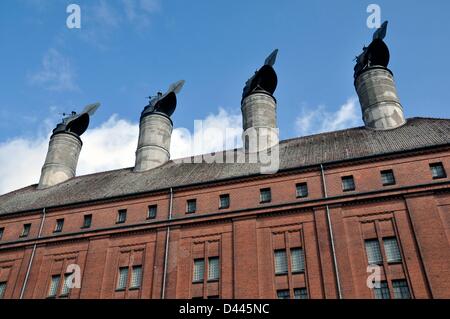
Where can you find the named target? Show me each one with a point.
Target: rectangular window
(300, 293)
(136, 277)
(121, 216)
(224, 201)
(383, 291)
(283, 294)
(54, 285)
(401, 290)
(122, 279)
(26, 230)
(373, 252)
(437, 170)
(67, 280)
(191, 206)
(302, 190)
(297, 260)
(281, 265)
(2, 289)
(391, 249)
(348, 183)
(87, 222)
(152, 210)
(199, 270)
(265, 195)
(59, 225)
(213, 268)
(387, 177)
(2, 230)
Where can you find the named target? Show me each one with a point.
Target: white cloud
(320, 120)
(56, 73)
(111, 145)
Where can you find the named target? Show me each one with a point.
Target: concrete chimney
(155, 130)
(64, 148)
(374, 83)
(259, 107)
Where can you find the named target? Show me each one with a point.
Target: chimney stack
(64, 148)
(374, 83)
(155, 130)
(258, 107)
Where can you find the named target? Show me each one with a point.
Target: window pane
(67, 280)
(136, 277)
(302, 190)
(373, 252)
(2, 289)
(123, 278)
(26, 230)
(152, 211)
(265, 195)
(122, 216)
(383, 291)
(300, 293)
(87, 221)
(2, 230)
(437, 170)
(54, 284)
(401, 290)
(391, 249)
(224, 201)
(199, 270)
(213, 268)
(191, 206)
(59, 225)
(281, 266)
(387, 177)
(283, 294)
(348, 183)
(297, 260)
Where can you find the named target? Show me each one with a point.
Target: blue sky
(129, 49)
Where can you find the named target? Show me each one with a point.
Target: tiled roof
(299, 152)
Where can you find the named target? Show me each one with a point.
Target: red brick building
(377, 194)
(414, 209)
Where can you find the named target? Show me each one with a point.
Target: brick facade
(416, 211)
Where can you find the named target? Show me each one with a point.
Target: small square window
(66, 285)
(59, 225)
(2, 231)
(213, 268)
(54, 285)
(136, 277)
(265, 195)
(122, 279)
(437, 170)
(26, 230)
(191, 206)
(224, 201)
(2, 289)
(199, 270)
(382, 292)
(87, 222)
(302, 190)
(392, 250)
(373, 252)
(387, 177)
(401, 290)
(348, 183)
(300, 293)
(152, 210)
(297, 260)
(122, 216)
(283, 294)
(281, 265)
